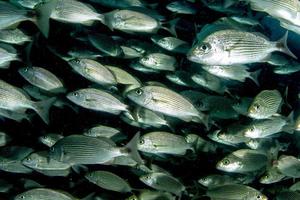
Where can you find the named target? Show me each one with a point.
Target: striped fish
(243, 161)
(235, 192)
(80, 149)
(265, 104)
(232, 47)
(97, 100)
(165, 101)
(283, 9)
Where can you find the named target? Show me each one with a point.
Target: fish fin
(133, 149)
(281, 45)
(79, 169)
(44, 11)
(89, 196)
(171, 26)
(228, 3)
(254, 76)
(42, 108)
(285, 97)
(288, 129)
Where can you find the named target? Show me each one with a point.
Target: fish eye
(76, 94)
(252, 129)
(226, 162)
(22, 197)
(205, 47)
(77, 61)
(258, 196)
(52, 149)
(142, 141)
(256, 106)
(139, 92)
(26, 69)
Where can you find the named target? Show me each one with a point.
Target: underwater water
(227, 107)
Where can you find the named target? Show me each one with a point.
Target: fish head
(207, 52)
(205, 181)
(21, 197)
(147, 179)
(145, 143)
(31, 161)
(255, 110)
(228, 164)
(90, 176)
(25, 71)
(77, 64)
(253, 144)
(140, 96)
(259, 196)
(148, 60)
(252, 132)
(133, 197)
(76, 96)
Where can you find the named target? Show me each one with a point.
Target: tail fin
(254, 76)
(42, 108)
(132, 147)
(228, 3)
(171, 26)
(281, 44)
(43, 12)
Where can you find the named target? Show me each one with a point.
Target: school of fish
(149, 100)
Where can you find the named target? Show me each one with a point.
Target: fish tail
(42, 108)
(281, 45)
(228, 3)
(133, 149)
(101, 18)
(43, 13)
(254, 76)
(171, 26)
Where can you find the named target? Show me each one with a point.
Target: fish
(40, 162)
(93, 71)
(182, 7)
(102, 131)
(7, 55)
(163, 143)
(43, 193)
(235, 192)
(11, 15)
(165, 101)
(172, 44)
(109, 181)
(14, 99)
(11, 159)
(288, 166)
(215, 180)
(73, 11)
(98, 100)
(42, 78)
(134, 21)
(243, 161)
(163, 182)
(80, 149)
(14, 36)
(235, 47)
(159, 61)
(238, 73)
(265, 104)
(266, 127)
